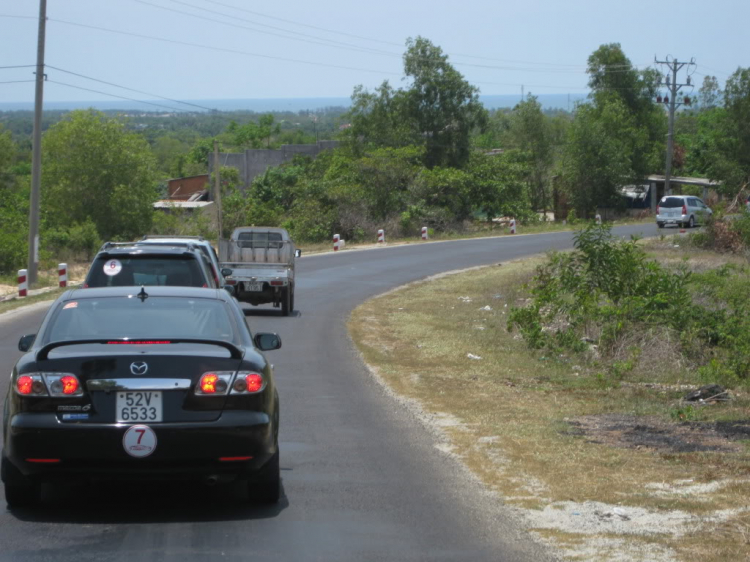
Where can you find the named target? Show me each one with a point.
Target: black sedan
(130, 383)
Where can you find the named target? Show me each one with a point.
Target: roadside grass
(478, 230)
(518, 414)
(12, 304)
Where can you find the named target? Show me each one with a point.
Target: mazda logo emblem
(139, 368)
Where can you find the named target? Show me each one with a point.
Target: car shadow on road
(270, 312)
(147, 502)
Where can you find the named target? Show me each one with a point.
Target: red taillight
(208, 383)
(234, 459)
(230, 281)
(24, 384)
(43, 461)
(658, 210)
(69, 384)
(277, 283)
(684, 209)
(254, 382)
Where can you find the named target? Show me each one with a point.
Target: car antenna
(143, 295)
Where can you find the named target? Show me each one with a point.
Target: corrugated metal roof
(687, 181)
(172, 204)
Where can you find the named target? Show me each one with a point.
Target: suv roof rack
(157, 236)
(115, 244)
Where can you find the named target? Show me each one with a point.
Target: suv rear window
(127, 270)
(672, 202)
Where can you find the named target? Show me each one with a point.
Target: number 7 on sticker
(140, 433)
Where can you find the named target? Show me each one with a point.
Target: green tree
(599, 155)
(531, 132)
(709, 94)
(613, 77)
(439, 110)
(736, 146)
(95, 169)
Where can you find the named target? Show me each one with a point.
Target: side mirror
(229, 289)
(267, 341)
(297, 253)
(226, 272)
(25, 343)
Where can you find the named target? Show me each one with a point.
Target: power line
(114, 95)
(17, 81)
(220, 49)
(317, 40)
(364, 38)
(341, 45)
(18, 66)
(130, 89)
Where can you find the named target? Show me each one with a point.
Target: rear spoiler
(234, 350)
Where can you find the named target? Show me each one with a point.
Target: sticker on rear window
(71, 305)
(112, 267)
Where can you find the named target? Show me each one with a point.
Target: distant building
(255, 161)
(191, 188)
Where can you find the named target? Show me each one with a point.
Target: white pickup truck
(259, 262)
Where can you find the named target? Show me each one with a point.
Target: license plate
(139, 406)
(253, 286)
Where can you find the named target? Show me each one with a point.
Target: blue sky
(542, 44)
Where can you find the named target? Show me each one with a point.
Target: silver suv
(684, 211)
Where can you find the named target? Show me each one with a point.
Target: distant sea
(548, 101)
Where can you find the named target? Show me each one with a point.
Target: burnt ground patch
(638, 432)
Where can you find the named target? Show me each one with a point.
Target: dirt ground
(649, 432)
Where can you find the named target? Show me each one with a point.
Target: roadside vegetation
(425, 154)
(561, 381)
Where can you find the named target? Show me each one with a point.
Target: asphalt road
(362, 480)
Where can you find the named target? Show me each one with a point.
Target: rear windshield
(124, 271)
(672, 202)
(259, 239)
(151, 318)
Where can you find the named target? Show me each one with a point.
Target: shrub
(606, 290)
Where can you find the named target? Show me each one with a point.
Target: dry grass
(516, 407)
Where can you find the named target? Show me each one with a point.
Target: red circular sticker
(139, 441)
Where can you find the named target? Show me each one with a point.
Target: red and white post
(23, 283)
(381, 236)
(512, 226)
(62, 274)
(336, 242)
(424, 233)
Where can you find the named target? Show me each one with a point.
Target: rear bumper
(183, 449)
(672, 219)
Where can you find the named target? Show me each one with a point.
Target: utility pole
(217, 186)
(522, 92)
(671, 100)
(36, 155)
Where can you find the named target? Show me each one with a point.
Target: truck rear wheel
(286, 304)
(291, 300)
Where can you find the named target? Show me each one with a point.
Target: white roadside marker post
(381, 236)
(424, 233)
(62, 274)
(23, 283)
(336, 242)
(512, 226)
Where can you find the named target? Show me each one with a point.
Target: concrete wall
(254, 162)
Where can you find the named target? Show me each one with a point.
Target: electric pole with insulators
(672, 102)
